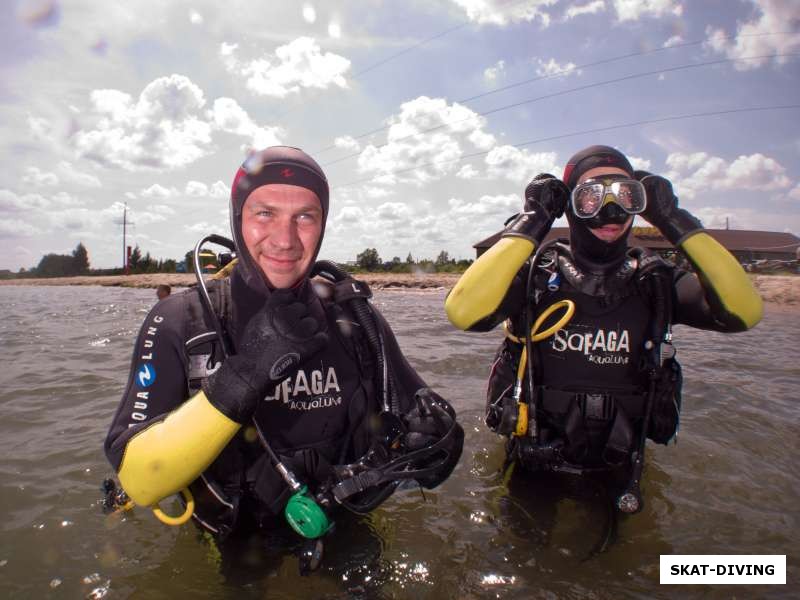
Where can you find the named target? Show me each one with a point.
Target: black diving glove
(662, 209)
(546, 198)
(276, 341)
(431, 419)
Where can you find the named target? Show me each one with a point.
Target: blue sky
(155, 104)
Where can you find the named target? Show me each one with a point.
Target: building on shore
(747, 246)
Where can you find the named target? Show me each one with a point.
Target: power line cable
(400, 53)
(574, 134)
(564, 93)
(562, 73)
(604, 61)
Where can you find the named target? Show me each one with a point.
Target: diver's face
(281, 228)
(610, 232)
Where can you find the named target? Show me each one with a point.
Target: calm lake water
(730, 486)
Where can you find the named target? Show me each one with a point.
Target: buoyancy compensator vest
(592, 380)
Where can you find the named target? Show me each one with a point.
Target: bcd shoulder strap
(202, 347)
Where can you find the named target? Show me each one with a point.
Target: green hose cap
(305, 516)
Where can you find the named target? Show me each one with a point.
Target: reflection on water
(729, 486)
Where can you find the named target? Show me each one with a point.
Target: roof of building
(733, 239)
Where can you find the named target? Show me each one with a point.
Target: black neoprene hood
(591, 157)
(276, 164)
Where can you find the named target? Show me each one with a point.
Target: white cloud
(198, 189)
(35, 205)
(519, 165)
(492, 73)
(13, 228)
(71, 174)
(551, 67)
(467, 172)
(35, 176)
(195, 17)
(41, 128)
(228, 116)
(393, 211)
(166, 127)
(293, 66)
(334, 30)
(427, 156)
(640, 164)
(163, 128)
(718, 217)
(309, 14)
(201, 227)
(374, 193)
(673, 41)
(794, 193)
(502, 12)
(347, 142)
(161, 209)
(774, 16)
(633, 10)
(500, 206)
(698, 172)
(590, 8)
(158, 191)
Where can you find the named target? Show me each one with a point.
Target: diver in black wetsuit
(605, 377)
(271, 395)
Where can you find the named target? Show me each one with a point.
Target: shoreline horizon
(777, 291)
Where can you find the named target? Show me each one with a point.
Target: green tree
(80, 260)
(135, 258)
(369, 259)
(409, 259)
(443, 258)
(54, 265)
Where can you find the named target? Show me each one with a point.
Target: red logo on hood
(287, 173)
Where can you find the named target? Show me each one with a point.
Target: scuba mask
(616, 196)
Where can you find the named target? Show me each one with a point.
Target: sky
(429, 118)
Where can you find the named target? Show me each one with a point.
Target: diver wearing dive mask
(583, 394)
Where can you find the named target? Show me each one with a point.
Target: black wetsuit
(316, 417)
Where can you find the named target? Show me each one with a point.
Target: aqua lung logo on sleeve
(146, 373)
(309, 390)
(601, 347)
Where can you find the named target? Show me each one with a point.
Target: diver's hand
(662, 209)
(431, 419)
(546, 198)
(276, 341)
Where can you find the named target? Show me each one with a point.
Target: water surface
(730, 486)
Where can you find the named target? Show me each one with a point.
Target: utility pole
(125, 251)
(124, 231)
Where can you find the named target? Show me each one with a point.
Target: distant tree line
(370, 260)
(77, 263)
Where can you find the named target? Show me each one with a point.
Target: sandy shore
(776, 290)
(374, 280)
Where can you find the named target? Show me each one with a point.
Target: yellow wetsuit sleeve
(722, 275)
(166, 457)
(482, 287)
